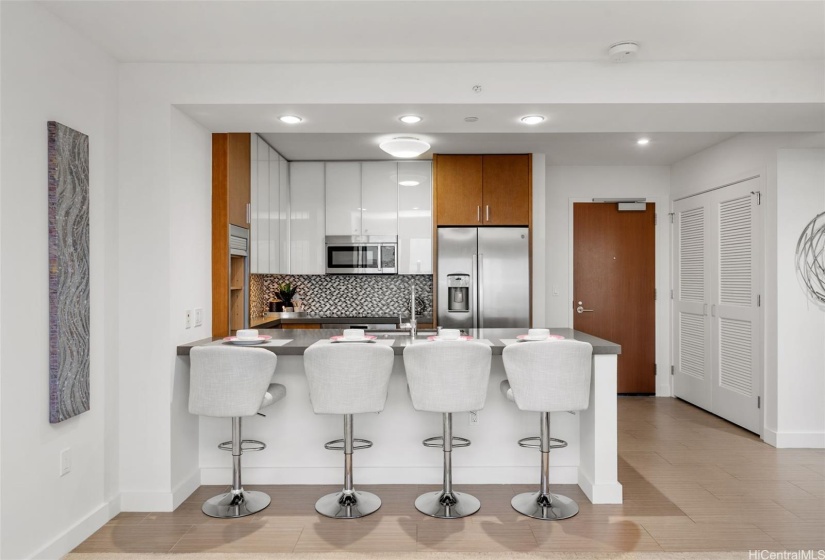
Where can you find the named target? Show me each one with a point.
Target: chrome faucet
(413, 324)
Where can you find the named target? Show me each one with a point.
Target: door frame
(662, 234)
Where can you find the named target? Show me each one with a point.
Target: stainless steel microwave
(362, 255)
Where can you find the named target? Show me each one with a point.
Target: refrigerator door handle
(474, 285)
(480, 313)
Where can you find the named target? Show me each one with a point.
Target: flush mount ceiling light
(643, 141)
(410, 119)
(404, 147)
(532, 119)
(409, 183)
(290, 119)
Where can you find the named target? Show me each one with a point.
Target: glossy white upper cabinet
(283, 216)
(269, 197)
(379, 198)
(343, 198)
(306, 246)
(415, 217)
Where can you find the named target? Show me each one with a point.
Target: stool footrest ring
(338, 444)
(559, 443)
(438, 441)
(246, 445)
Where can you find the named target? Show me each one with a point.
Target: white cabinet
(306, 246)
(415, 224)
(362, 198)
(343, 198)
(269, 197)
(379, 198)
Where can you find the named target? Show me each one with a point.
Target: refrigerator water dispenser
(458, 292)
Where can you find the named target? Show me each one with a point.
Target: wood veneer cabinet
(482, 190)
(230, 205)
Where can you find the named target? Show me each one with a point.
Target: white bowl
(353, 334)
(247, 334)
(534, 334)
(449, 334)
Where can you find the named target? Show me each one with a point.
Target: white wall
(568, 184)
(800, 176)
(190, 259)
(732, 160)
(51, 73)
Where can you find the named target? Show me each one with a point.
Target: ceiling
(560, 149)
(444, 31)
(471, 31)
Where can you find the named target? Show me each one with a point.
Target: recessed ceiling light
(532, 119)
(410, 119)
(290, 119)
(643, 141)
(404, 147)
(409, 183)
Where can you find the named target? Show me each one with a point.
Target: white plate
(251, 342)
(368, 338)
(439, 339)
(527, 338)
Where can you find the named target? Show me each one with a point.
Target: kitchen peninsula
(295, 435)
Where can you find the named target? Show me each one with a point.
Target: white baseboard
(384, 475)
(79, 532)
(610, 493)
(161, 501)
(185, 488)
(794, 440)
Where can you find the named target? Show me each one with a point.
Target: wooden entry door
(614, 279)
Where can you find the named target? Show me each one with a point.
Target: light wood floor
(692, 482)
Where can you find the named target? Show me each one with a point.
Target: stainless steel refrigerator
(483, 278)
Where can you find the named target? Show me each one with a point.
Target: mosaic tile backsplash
(346, 295)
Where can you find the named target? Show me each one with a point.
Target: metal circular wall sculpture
(810, 260)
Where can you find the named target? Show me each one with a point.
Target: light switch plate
(188, 318)
(66, 461)
(198, 316)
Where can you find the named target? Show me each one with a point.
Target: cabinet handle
(488, 212)
(478, 213)
(248, 213)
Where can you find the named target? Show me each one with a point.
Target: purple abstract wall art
(68, 272)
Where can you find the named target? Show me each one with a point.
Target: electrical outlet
(188, 318)
(473, 418)
(65, 461)
(198, 316)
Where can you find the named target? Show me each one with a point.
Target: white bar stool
(547, 377)
(348, 378)
(447, 377)
(229, 382)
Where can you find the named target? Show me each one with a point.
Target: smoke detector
(623, 52)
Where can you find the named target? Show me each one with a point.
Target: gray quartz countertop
(272, 320)
(301, 339)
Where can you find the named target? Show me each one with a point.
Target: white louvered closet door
(717, 319)
(736, 327)
(691, 376)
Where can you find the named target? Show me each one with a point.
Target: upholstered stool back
(348, 378)
(551, 376)
(448, 376)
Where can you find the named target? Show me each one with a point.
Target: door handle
(581, 309)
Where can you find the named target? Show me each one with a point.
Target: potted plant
(286, 292)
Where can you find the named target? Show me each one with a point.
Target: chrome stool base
(544, 506)
(453, 505)
(348, 505)
(230, 505)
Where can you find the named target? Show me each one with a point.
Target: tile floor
(692, 482)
